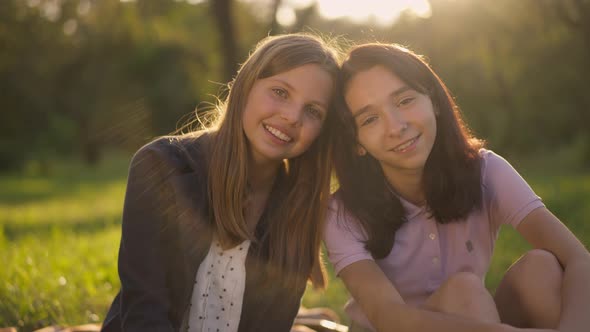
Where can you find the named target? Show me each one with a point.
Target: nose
(396, 122)
(292, 113)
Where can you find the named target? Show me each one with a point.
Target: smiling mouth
(406, 145)
(278, 134)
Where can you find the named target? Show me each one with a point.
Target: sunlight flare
(382, 12)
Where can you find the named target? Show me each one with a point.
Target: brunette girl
(419, 207)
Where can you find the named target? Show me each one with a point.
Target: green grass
(567, 196)
(59, 236)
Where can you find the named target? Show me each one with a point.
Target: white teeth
(405, 145)
(278, 134)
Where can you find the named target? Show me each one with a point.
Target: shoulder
(183, 153)
(173, 172)
(336, 212)
(494, 167)
(344, 237)
(341, 222)
(489, 159)
(509, 197)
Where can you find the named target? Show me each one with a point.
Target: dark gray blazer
(166, 233)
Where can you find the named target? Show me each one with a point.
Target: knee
(535, 263)
(530, 293)
(540, 259)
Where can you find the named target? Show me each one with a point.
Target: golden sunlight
(382, 12)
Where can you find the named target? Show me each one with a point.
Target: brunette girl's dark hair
(451, 179)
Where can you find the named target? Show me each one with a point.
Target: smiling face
(284, 113)
(395, 123)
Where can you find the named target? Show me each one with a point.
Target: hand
(515, 329)
(301, 328)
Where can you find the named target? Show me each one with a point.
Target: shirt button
(434, 260)
(432, 236)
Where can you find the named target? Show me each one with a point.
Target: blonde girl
(221, 227)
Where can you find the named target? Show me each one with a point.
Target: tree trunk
(225, 25)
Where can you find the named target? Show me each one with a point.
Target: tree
(222, 11)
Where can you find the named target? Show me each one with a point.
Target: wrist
(507, 328)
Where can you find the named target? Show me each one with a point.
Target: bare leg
(464, 294)
(529, 295)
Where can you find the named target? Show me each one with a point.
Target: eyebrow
(317, 102)
(364, 109)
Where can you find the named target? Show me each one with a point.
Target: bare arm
(386, 310)
(544, 231)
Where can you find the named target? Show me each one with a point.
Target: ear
(360, 150)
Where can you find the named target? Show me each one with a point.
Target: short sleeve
(510, 198)
(343, 238)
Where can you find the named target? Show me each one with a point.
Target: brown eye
(314, 112)
(406, 101)
(368, 120)
(281, 93)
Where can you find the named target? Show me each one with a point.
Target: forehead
(371, 86)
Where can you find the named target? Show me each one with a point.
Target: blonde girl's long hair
(296, 218)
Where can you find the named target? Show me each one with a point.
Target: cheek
(312, 132)
(368, 139)
(247, 119)
(427, 119)
(431, 129)
(315, 131)
(258, 100)
(433, 126)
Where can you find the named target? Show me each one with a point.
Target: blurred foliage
(79, 76)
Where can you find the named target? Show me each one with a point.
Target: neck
(261, 176)
(407, 185)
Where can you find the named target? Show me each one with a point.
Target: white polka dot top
(216, 302)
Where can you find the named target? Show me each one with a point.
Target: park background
(84, 83)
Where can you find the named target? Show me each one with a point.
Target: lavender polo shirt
(426, 253)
